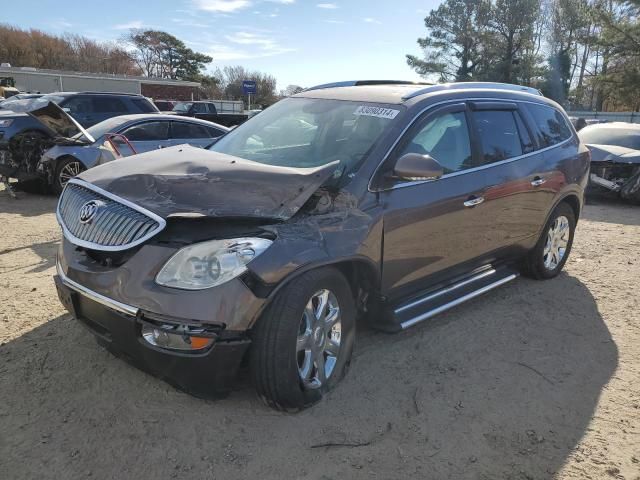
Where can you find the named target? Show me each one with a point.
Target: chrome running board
(405, 314)
(430, 313)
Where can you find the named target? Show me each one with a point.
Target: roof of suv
(399, 92)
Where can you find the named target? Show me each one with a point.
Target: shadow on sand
(503, 387)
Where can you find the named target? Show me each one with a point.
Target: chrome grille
(116, 224)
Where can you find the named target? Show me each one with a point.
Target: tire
(539, 264)
(285, 339)
(66, 168)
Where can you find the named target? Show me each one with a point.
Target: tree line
(584, 54)
(35, 48)
(150, 53)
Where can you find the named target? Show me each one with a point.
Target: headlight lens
(207, 264)
(6, 123)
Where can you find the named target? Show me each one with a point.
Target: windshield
(306, 132)
(53, 98)
(620, 137)
(182, 107)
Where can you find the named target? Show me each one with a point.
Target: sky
(300, 42)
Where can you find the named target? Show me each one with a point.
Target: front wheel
(551, 252)
(302, 344)
(66, 169)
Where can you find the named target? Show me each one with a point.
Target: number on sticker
(379, 112)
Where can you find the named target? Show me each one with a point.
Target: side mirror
(413, 166)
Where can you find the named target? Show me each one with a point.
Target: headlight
(6, 123)
(207, 264)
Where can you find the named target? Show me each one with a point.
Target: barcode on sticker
(380, 112)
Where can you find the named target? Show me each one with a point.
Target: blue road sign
(249, 87)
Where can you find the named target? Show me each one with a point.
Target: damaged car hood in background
(188, 181)
(54, 118)
(613, 153)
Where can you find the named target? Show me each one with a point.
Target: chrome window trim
(113, 248)
(469, 170)
(95, 296)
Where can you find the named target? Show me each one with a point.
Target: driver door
(434, 229)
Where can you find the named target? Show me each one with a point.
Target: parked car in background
(387, 202)
(6, 104)
(615, 158)
(224, 112)
(141, 133)
(165, 105)
(89, 108)
(23, 138)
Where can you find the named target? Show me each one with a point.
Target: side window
(150, 131)
(214, 132)
(78, 105)
(143, 105)
(109, 105)
(200, 108)
(446, 139)
(525, 138)
(498, 134)
(189, 130)
(211, 108)
(551, 124)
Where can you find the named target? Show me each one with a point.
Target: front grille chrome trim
(95, 296)
(116, 229)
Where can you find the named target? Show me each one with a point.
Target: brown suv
(392, 202)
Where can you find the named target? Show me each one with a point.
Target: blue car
(134, 134)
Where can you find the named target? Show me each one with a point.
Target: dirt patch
(534, 380)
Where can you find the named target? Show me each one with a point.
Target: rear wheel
(302, 344)
(551, 252)
(66, 169)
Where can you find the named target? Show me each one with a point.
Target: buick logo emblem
(89, 210)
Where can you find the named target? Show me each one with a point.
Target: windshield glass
(620, 137)
(307, 132)
(182, 107)
(53, 98)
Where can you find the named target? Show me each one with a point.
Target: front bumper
(117, 326)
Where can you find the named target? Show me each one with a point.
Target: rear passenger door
(517, 198)
(506, 154)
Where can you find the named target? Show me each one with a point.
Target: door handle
(536, 182)
(473, 201)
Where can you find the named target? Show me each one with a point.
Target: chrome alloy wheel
(68, 171)
(319, 336)
(556, 244)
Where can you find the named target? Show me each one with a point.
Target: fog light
(175, 337)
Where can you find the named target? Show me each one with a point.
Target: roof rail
(358, 83)
(89, 92)
(473, 85)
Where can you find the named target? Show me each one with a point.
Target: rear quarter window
(143, 105)
(551, 126)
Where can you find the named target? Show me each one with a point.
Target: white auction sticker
(380, 112)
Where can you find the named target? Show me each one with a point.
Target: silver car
(123, 136)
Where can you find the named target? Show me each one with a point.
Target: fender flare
(365, 261)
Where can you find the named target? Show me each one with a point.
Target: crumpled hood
(613, 153)
(188, 181)
(54, 118)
